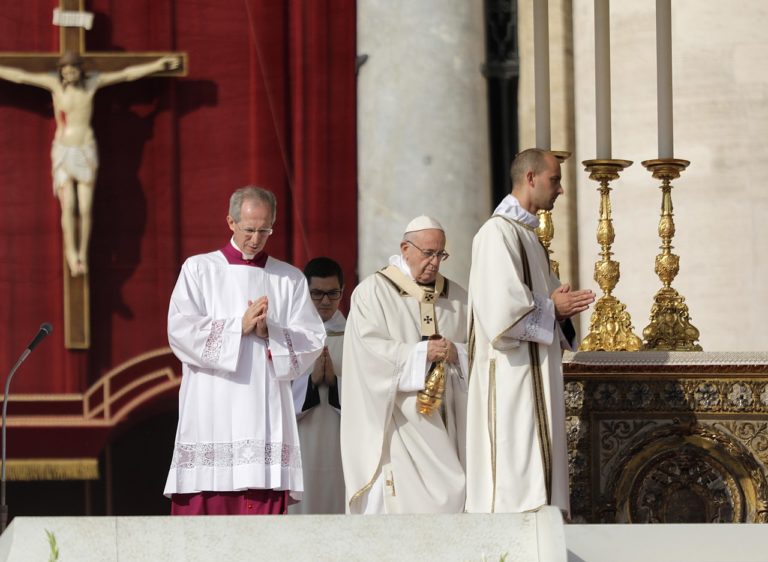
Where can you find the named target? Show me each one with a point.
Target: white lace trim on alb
(538, 325)
(214, 343)
(249, 451)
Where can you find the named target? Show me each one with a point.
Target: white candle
(541, 73)
(664, 76)
(603, 78)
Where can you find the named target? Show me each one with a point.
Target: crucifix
(74, 155)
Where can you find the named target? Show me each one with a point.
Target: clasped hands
(255, 317)
(323, 372)
(441, 349)
(568, 302)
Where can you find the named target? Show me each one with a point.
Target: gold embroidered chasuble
(415, 461)
(516, 449)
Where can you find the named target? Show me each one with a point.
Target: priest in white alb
(404, 393)
(516, 448)
(316, 398)
(243, 325)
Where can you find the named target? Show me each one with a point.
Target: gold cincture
(610, 327)
(670, 328)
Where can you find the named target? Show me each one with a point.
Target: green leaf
(54, 556)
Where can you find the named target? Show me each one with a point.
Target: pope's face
(251, 233)
(326, 295)
(421, 251)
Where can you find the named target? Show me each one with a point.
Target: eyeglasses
(441, 255)
(318, 295)
(251, 232)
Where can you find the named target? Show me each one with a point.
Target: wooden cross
(77, 330)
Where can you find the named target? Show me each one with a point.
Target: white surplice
(237, 425)
(319, 429)
(516, 409)
(395, 459)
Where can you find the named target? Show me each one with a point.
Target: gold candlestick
(670, 328)
(546, 230)
(610, 327)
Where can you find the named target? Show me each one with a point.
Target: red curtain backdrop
(269, 100)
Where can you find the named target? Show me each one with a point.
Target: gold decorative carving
(667, 441)
(725, 396)
(610, 327)
(614, 435)
(752, 434)
(687, 473)
(670, 328)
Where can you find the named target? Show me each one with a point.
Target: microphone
(45, 329)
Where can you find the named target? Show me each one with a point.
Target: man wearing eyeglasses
(243, 325)
(400, 453)
(516, 449)
(316, 397)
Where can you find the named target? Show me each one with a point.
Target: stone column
(422, 126)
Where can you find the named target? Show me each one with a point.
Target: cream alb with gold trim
(516, 449)
(395, 459)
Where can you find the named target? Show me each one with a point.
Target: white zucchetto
(423, 222)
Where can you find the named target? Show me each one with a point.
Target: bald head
(536, 180)
(531, 160)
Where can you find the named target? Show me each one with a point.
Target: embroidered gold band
(52, 469)
(425, 296)
(539, 398)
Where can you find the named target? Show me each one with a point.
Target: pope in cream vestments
(396, 459)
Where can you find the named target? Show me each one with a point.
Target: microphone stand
(3, 505)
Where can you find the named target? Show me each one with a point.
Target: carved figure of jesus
(74, 156)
